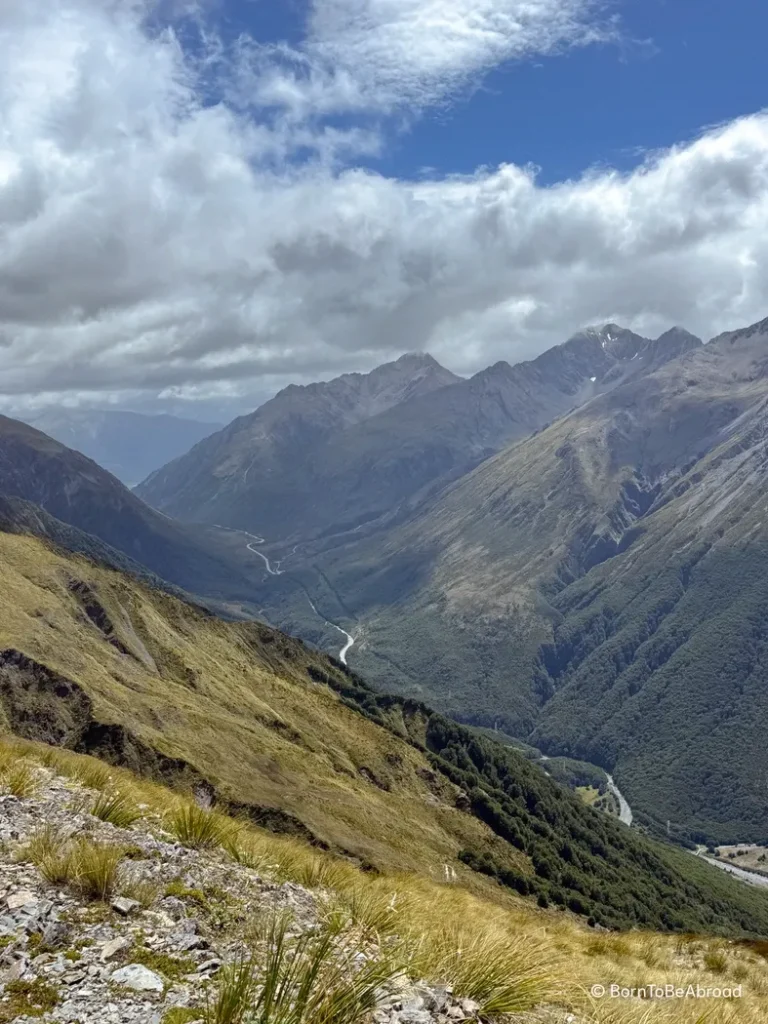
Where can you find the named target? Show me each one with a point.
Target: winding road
(350, 639)
(275, 570)
(625, 811)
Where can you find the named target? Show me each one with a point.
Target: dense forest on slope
(577, 858)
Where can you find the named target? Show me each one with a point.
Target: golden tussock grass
(509, 959)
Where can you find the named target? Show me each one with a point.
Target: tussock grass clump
(246, 849)
(198, 828)
(49, 851)
(116, 808)
(92, 774)
(20, 779)
(374, 911)
(144, 890)
(94, 869)
(504, 974)
(313, 979)
(716, 961)
(90, 868)
(314, 871)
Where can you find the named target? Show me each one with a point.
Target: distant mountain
(129, 445)
(72, 489)
(260, 468)
(298, 468)
(600, 589)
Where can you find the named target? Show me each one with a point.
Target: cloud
(388, 55)
(153, 241)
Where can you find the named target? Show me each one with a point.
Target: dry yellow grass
(236, 703)
(516, 958)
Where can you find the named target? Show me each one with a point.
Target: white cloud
(150, 243)
(389, 55)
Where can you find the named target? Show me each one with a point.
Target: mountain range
(105, 519)
(597, 589)
(570, 549)
(97, 662)
(558, 549)
(327, 458)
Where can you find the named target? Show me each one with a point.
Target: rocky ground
(157, 944)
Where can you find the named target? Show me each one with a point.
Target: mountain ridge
(398, 456)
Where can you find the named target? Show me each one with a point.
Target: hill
(129, 445)
(126, 900)
(97, 662)
(297, 469)
(74, 490)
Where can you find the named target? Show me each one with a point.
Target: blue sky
(202, 201)
(677, 67)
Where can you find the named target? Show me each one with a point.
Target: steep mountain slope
(314, 481)
(73, 489)
(129, 445)
(598, 589)
(244, 475)
(96, 662)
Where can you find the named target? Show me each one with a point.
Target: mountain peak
(417, 359)
(677, 335)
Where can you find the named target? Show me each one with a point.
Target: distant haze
(127, 444)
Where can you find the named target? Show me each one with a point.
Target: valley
(557, 588)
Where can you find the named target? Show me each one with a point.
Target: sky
(204, 200)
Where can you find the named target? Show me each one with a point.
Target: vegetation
(27, 999)
(116, 808)
(196, 827)
(503, 952)
(20, 779)
(89, 867)
(576, 857)
(289, 739)
(316, 978)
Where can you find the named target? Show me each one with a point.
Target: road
(350, 639)
(625, 811)
(275, 570)
(760, 881)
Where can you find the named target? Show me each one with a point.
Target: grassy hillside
(95, 661)
(428, 940)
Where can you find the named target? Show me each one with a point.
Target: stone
(192, 942)
(73, 977)
(110, 949)
(20, 899)
(138, 978)
(55, 933)
(209, 967)
(124, 906)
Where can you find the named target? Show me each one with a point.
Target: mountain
(238, 476)
(73, 490)
(94, 661)
(597, 589)
(322, 481)
(129, 445)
